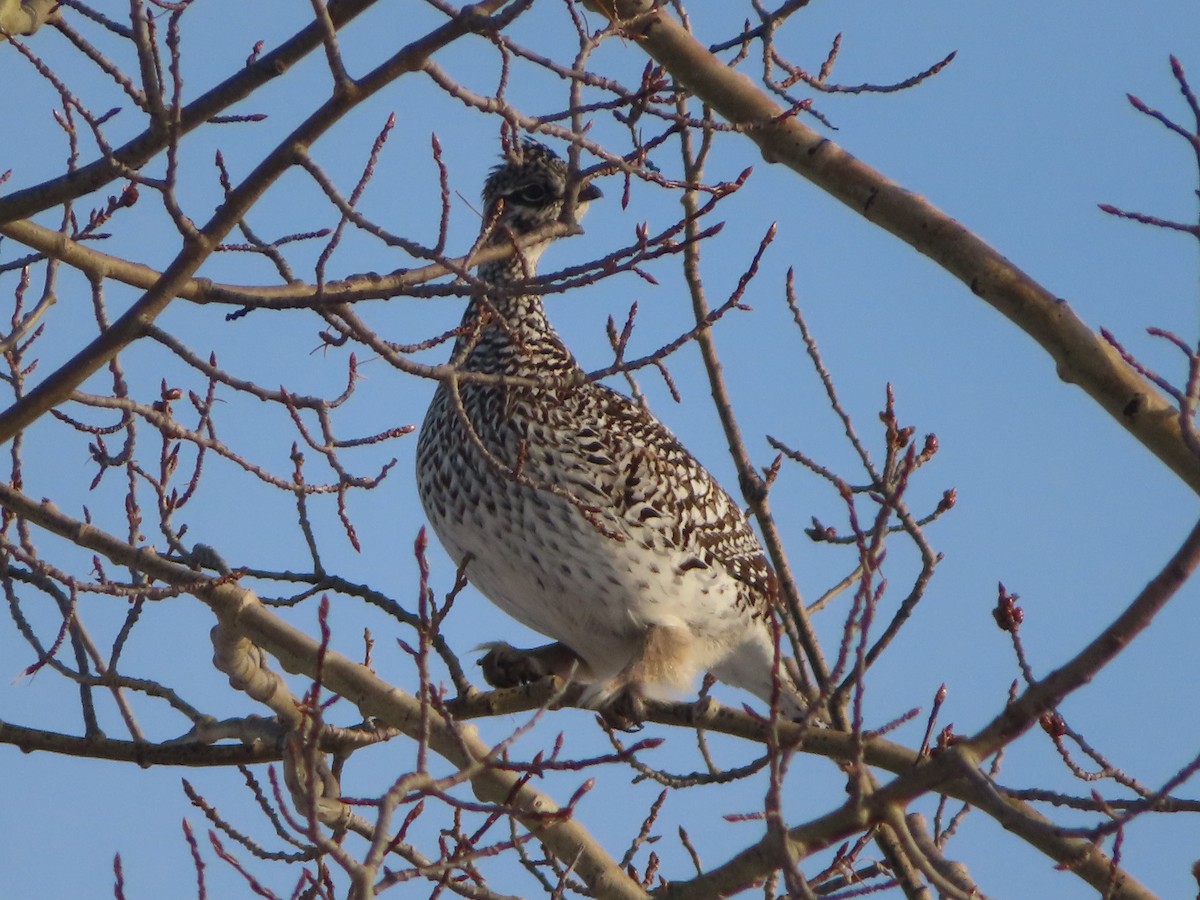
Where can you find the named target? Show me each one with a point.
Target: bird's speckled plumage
(578, 512)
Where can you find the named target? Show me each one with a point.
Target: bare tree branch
(1081, 357)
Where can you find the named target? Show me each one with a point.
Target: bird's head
(529, 189)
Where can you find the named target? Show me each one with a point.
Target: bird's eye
(531, 194)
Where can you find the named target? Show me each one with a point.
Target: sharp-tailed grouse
(577, 512)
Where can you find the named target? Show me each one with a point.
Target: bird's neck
(506, 329)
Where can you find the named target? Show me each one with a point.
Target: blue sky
(1019, 138)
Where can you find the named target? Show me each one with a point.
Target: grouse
(574, 509)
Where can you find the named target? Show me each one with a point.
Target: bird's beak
(589, 192)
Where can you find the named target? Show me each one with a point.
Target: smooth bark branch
(239, 610)
(1080, 355)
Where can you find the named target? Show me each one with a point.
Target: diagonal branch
(1080, 355)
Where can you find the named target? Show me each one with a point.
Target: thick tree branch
(1080, 355)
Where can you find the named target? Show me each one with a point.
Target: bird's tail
(755, 667)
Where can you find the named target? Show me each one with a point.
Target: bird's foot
(620, 702)
(506, 666)
(626, 711)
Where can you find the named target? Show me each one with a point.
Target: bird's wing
(612, 453)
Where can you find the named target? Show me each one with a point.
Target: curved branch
(1080, 355)
(943, 774)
